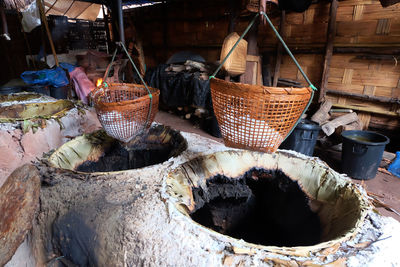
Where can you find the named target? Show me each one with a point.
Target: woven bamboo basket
(236, 63)
(123, 109)
(256, 117)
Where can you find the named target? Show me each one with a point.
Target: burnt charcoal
(119, 158)
(157, 146)
(262, 207)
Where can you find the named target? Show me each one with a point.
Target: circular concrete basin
(279, 202)
(98, 152)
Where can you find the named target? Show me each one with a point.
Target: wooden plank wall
(201, 26)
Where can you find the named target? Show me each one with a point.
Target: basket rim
(259, 89)
(154, 91)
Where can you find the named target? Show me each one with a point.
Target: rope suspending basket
(125, 110)
(257, 117)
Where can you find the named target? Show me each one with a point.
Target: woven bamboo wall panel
(348, 73)
(384, 91)
(358, 22)
(204, 24)
(201, 26)
(348, 61)
(311, 65)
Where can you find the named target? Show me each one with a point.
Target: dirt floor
(385, 187)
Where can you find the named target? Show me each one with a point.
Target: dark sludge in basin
(262, 207)
(280, 202)
(99, 152)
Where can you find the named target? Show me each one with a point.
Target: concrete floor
(385, 187)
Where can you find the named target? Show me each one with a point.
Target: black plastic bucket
(59, 92)
(303, 138)
(362, 153)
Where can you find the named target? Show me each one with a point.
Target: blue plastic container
(394, 167)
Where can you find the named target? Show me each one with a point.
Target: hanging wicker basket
(256, 117)
(125, 110)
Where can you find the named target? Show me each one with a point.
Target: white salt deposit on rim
(248, 131)
(118, 126)
(40, 99)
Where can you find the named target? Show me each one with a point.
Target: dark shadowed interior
(262, 207)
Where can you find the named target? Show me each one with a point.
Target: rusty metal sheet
(19, 200)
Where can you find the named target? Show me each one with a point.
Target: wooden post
(44, 21)
(250, 76)
(279, 49)
(329, 49)
(231, 27)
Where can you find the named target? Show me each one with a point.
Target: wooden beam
(279, 49)
(369, 110)
(315, 49)
(380, 99)
(296, 50)
(329, 49)
(379, 57)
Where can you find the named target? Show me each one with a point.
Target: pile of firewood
(190, 66)
(336, 120)
(202, 72)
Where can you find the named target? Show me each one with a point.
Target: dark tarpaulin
(179, 89)
(184, 89)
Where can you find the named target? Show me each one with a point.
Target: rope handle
(280, 39)
(105, 85)
(120, 44)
